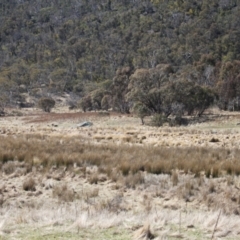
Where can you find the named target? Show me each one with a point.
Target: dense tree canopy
(76, 45)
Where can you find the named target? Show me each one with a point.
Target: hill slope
(69, 44)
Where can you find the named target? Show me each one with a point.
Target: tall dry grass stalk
(215, 227)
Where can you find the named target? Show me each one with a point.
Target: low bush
(158, 120)
(46, 104)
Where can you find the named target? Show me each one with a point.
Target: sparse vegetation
(81, 178)
(173, 64)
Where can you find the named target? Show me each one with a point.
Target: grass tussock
(9, 167)
(93, 179)
(133, 180)
(29, 184)
(47, 152)
(63, 193)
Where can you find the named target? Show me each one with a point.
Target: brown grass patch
(133, 180)
(29, 184)
(9, 167)
(69, 152)
(63, 193)
(80, 116)
(93, 179)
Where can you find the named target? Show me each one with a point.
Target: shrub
(46, 104)
(142, 111)
(158, 120)
(85, 103)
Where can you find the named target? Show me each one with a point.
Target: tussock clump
(188, 190)
(63, 193)
(29, 184)
(114, 175)
(133, 180)
(158, 167)
(125, 168)
(9, 167)
(93, 157)
(6, 153)
(93, 179)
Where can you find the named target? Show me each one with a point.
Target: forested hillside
(77, 46)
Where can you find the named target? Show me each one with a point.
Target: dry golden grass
(63, 193)
(93, 175)
(93, 179)
(69, 151)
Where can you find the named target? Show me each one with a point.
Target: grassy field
(118, 179)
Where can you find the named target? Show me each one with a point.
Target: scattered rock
(85, 124)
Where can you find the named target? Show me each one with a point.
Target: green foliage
(8, 93)
(119, 89)
(228, 86)
(145, 87)
(141, 110)
(99, 37)
(46, 104)
(85, 103)
(158, 120)
(76, 44)
(153, 90)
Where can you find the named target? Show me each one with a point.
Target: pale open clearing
(49, 190)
